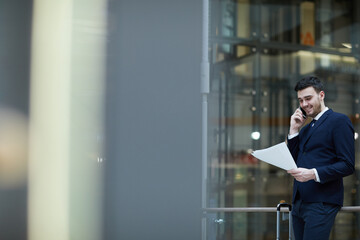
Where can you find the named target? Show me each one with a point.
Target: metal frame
(278, 45)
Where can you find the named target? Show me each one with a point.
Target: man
(324, 153)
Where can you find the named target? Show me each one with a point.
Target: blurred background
(101, 105)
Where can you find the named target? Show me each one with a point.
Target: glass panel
(258, 53)
(224, 226)
(325, 24)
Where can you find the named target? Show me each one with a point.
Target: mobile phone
(303, 112)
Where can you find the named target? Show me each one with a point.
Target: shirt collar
(321, 113)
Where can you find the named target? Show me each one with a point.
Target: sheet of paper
(277, 155)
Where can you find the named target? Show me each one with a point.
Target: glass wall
(259, 49)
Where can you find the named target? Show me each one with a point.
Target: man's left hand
(302, 174)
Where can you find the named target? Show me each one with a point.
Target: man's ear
(322, 95)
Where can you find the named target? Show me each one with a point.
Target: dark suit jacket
(328, 147)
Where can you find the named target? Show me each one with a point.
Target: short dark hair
(309, 81)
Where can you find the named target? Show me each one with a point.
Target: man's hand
(302, 174)
(296, 121)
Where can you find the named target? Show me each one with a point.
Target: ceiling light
(255, 135)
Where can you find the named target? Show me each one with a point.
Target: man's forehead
(306, 92)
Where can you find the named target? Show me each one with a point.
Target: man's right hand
(296, 121)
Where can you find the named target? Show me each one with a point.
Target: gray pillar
(153, 126)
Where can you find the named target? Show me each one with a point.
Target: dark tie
(312, 123)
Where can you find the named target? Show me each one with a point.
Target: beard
(316, 108)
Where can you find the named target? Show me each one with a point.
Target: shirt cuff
(316, 175)
(292, 135)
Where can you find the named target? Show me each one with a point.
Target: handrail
(269, 209)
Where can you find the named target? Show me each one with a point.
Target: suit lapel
(310, 130)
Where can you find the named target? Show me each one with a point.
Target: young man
(324, 153)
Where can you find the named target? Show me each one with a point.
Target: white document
(277, 155)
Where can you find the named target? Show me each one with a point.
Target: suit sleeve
(293, 145)
(344, 143)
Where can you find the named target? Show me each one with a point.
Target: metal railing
(269, 209)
